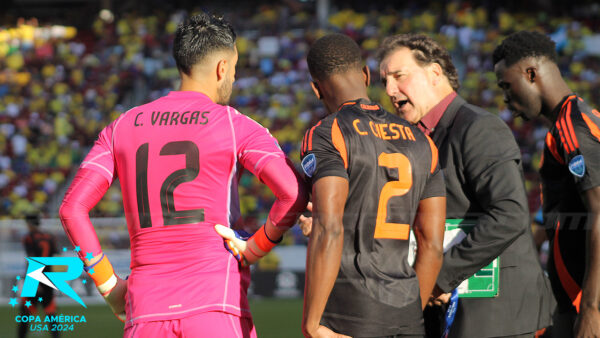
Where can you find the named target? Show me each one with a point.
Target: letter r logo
(55, 280)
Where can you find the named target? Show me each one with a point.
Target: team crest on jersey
(309, 164)
(577, 166)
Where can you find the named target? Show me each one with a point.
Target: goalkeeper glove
(111, 286)
(245, 248)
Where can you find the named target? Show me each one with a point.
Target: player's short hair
(425, 51)
(525, 44)
(33, 219)
(333, 54)
(199, 36)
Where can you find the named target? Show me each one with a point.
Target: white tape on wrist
(107, 286)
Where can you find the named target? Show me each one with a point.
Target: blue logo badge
(309, 165)
(55, 280)
(577, 166)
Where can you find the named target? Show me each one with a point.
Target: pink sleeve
(84, 193)
(255, 145)
(281, 177)
(101, 156)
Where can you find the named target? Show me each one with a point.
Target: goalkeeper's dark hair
(425, 50)
(333, 54)
(199, 36)
(525, 44)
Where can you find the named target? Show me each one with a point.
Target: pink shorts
(207, 324)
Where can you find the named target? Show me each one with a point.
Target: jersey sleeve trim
(338, 142)
(86, 164)
(266, 155)
(551, 143)
(593, 127)
(434, 154)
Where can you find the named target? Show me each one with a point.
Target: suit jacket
(484, 180)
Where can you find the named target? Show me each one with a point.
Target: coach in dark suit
(482, 167)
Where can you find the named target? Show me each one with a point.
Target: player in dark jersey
(374, 177)
(38, 244)
(525, 65)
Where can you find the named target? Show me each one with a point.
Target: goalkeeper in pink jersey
(178, 160)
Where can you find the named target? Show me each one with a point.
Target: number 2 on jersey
(192, 168)
(400, 187)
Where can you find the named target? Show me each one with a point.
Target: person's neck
(553, 98)
(345, 89)
(190, 85)
(340, 99)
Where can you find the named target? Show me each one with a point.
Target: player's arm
(83, 194)
(429, 232)
(588, 320)
(259, 152)
(291, 198)
(324, 248)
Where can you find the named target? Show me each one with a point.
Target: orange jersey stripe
(338, 142)
(562, 127)
(593, 127)
(304, 142)
(570, 127)
(434, 154)
(573, 290)
(551, 143)
(310, 136)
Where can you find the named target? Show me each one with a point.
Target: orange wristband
(103, 274)
(263, 241)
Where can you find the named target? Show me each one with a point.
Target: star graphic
(28, 303)
(77, 249)
(18, 277)
(91, 271)
(83, 281)
(64, 249)
(89, 256)
(40, 299)
(15, 288)
(13, 302)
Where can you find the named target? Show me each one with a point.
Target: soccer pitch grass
(274, 318)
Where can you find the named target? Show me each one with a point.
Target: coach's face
(408, 84)
(226, 87)
(519, 84)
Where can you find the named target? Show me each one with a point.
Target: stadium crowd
(59, 85)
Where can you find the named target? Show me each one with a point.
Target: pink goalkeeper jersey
(178, 160)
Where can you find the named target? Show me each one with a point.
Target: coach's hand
(115, 298)
(247, 250)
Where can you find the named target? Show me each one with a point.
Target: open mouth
(401, 103)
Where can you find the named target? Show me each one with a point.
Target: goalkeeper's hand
(110, 286)
(246, 249)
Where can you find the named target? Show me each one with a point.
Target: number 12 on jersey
(189, 173)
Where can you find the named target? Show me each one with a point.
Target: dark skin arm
(588, 320)
(324, 251)
(429, 232)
